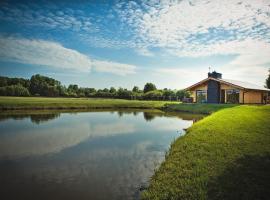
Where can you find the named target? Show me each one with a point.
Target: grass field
(9, 103)
(34, 103)
(224, 156)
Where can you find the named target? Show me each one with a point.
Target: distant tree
(44, 86)
(124, 93)
(62, 90)
(14, 90)
(3, 81)
(113, 90)
(89, 92)
(182, 93)
(50, 91)
(135, 89)
(3, 91)
(154, 95)
(40, 85)
(149, 87)
(105, 93)
(73, 87)
(106, 90)
(267, 81)
(6, 81)
(73, 90)
(168, 93)
(19, 81)
(81, 92)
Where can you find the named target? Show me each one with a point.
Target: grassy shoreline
(198, 108)
(42, 103)
(224, 156)
(46, 103)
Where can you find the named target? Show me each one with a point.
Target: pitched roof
(238, 84)
(246, 85)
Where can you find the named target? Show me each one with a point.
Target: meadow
(43, 103)
(31, 103)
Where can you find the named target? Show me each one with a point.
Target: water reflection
(86, 155)
(148, 116)
(36, 118)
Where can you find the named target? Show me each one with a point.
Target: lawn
(224, 156)
(7, 103)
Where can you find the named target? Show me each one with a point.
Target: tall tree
(135, 89)
(149, 87)
(113, 90)
(267, 82)
(44, 86)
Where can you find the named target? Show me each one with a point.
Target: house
(215, 89)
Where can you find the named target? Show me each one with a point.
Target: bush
(149, 87)
(154, 95)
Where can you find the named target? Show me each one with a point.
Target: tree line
(39, 85)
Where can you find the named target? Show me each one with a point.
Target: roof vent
(215, 74)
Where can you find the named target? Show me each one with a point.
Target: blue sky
(126, 43)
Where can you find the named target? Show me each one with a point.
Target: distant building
(215, 89)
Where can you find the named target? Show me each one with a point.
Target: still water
(84, 155)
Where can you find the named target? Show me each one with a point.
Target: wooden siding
(199, 87)
(253, 96)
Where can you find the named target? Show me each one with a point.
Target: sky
(125, 43)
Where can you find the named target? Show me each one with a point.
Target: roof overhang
(224, 82)
(196, 84)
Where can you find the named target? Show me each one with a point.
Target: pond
(100, 154)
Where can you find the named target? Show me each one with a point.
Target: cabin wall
(250, 96)
(199, 87)
(253, 96)
(228, 87)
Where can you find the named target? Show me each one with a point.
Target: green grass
(23, 103)
(198, 108)
(9, 103)
(224, 156)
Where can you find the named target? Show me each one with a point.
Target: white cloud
(52, 54)
(203, 28)
(179, 78)
(248, 52)
(250, 64)
(41, 52)
(114, 67)
(170, 23)
(47, 15)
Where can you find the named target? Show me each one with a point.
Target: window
(232, 96)
(201, 96)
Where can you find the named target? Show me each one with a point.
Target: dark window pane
(233, 96)
(201, 96)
